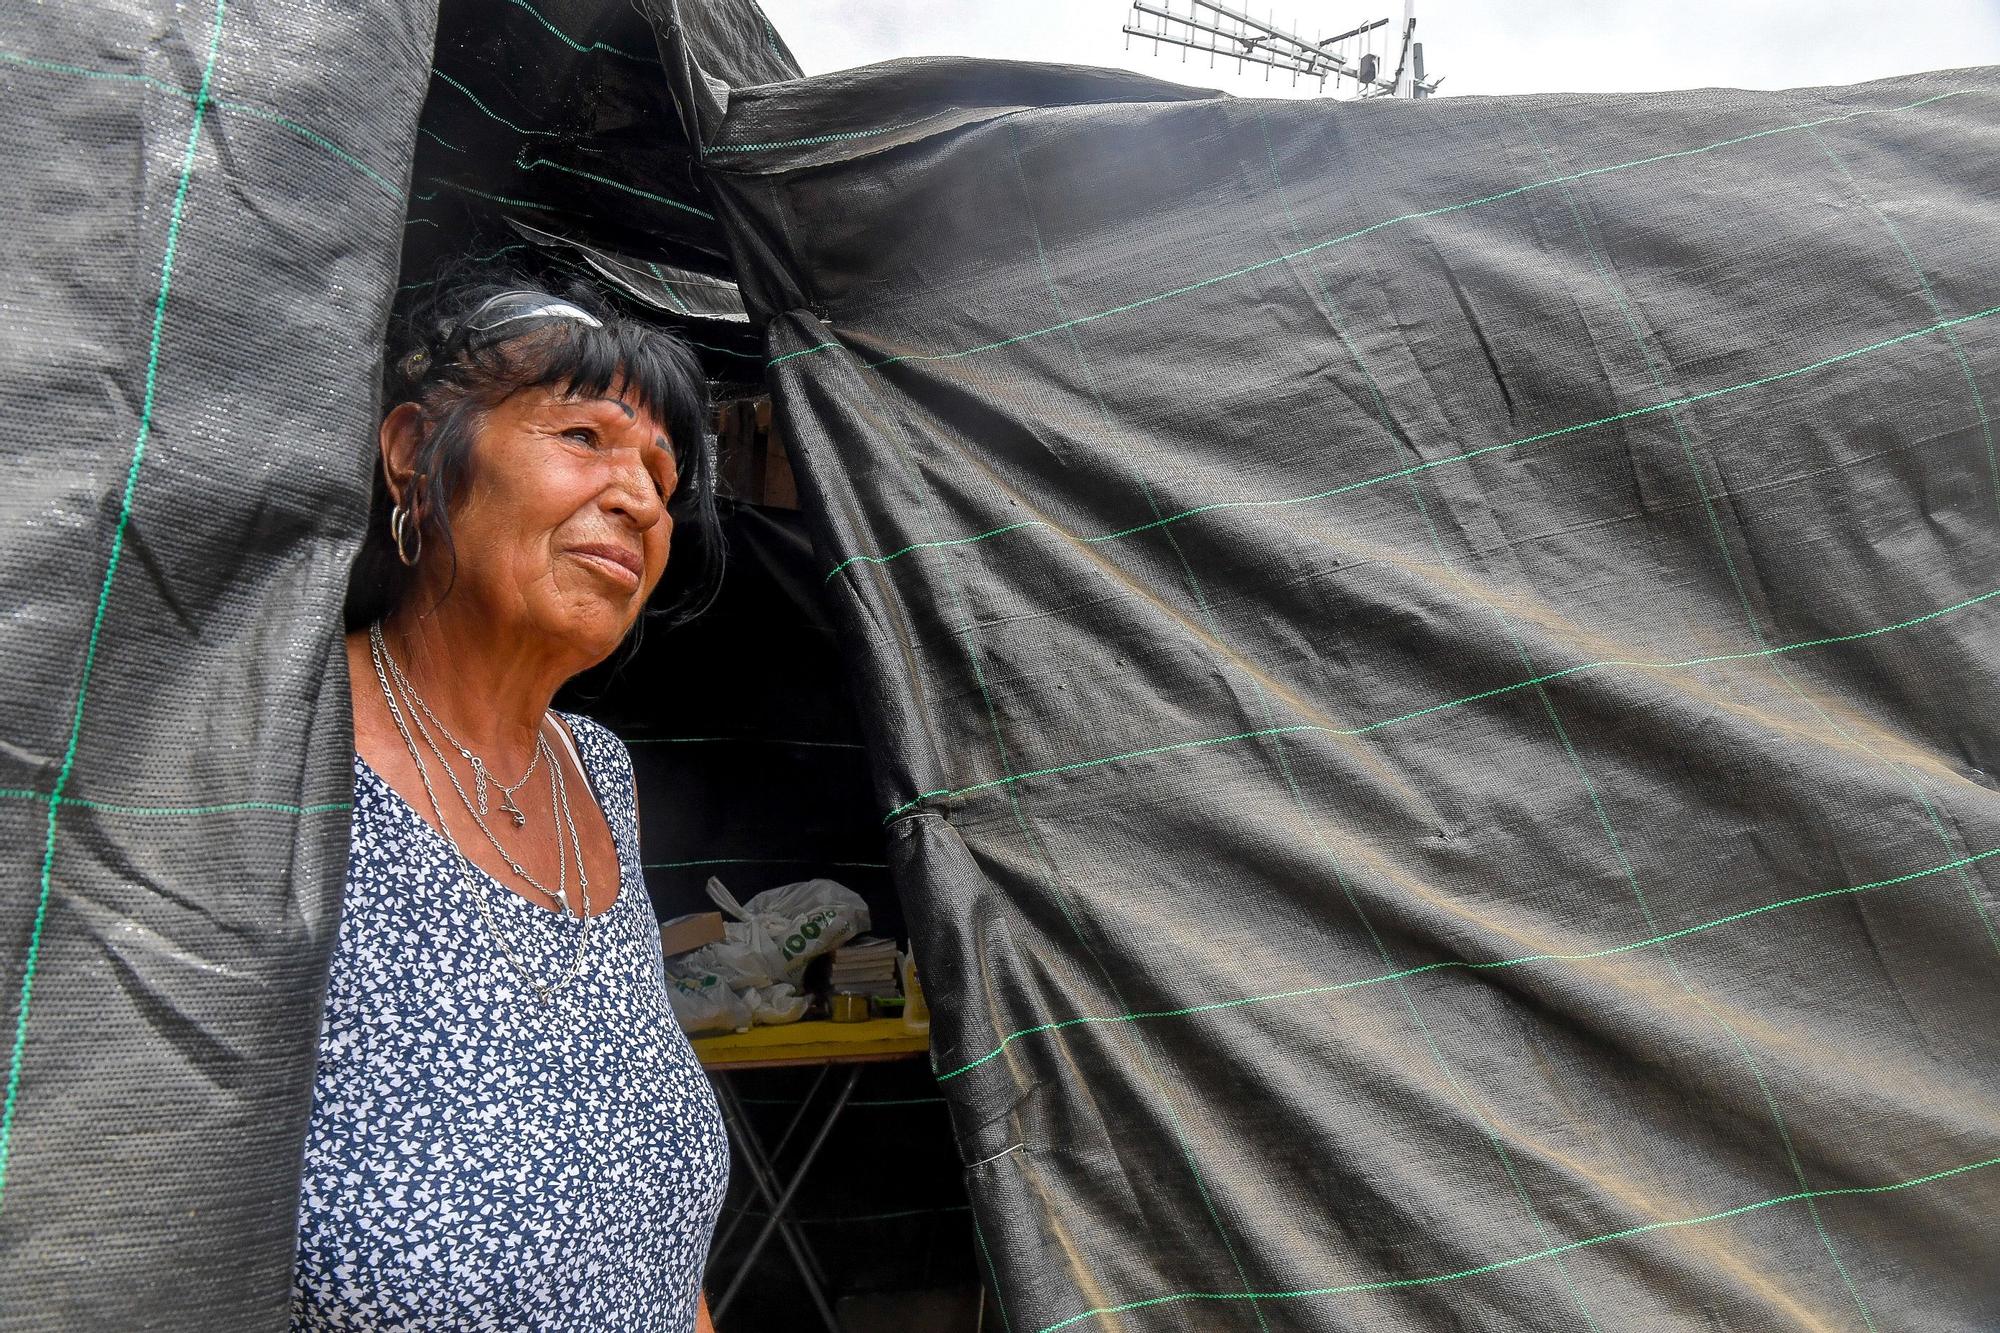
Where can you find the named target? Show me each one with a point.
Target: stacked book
(865, 965)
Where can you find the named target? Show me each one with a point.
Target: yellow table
(817, 1043)
(789, 1045)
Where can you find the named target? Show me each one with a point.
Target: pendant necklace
(481, 775)
(559, 800)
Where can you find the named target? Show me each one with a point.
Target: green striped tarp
(1433, 679)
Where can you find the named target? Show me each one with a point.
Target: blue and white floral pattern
(478, 1159)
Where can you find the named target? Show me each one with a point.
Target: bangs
(655, 371)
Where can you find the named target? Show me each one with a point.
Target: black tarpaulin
(203, 208)
(1431, 677)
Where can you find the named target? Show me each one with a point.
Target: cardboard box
(683, 933)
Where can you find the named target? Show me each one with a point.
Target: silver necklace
(561, 891)
(482, 776)
(545, 991)
(417, 721)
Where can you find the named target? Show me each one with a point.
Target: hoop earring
(401, 523)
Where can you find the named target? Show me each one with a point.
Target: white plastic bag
(745, 956)
(797, 923)
(753, 973)
(775, 1004)
(705, 1002)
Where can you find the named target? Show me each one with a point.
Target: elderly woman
(509, 1131)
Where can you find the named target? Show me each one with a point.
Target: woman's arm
(702, 1323)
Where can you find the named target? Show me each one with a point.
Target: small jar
(847, 1007)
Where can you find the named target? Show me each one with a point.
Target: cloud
(1481, 46)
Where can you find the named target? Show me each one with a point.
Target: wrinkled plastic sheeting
(1432, 672)
(203, 210)
(553, 139)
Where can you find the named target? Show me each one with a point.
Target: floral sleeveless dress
(478, 1159)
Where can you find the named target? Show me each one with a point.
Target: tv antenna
(1225, 33)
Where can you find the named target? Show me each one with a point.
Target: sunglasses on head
(499, 317)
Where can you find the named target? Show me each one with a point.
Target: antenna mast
(1225, 33)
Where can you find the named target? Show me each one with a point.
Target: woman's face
(563, 531)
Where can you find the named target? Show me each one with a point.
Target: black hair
(460, 357)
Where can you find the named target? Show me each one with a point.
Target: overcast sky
(1480, 46)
